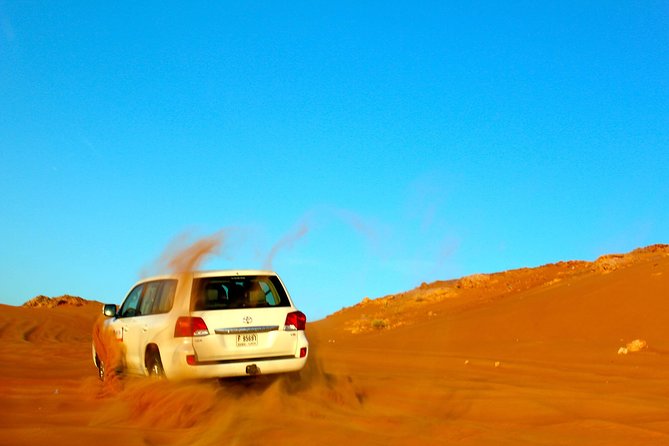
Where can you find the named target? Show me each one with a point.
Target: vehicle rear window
(219, 293)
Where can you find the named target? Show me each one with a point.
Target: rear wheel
(154, 365)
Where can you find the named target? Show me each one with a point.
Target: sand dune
(529, 356)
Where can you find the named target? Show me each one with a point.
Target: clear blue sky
(415, 141)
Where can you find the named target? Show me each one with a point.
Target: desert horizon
(466, 200)
(572, 352)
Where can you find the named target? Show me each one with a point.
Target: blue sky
(395, 142)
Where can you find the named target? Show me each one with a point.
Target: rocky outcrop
(52, 302)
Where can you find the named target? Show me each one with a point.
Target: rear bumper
(241, 368)
(177, 367)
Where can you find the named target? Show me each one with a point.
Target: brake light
(190, 326)
(295, 321)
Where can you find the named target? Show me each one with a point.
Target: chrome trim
(258, 360)
(256, 329)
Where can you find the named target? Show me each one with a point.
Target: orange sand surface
(567, 353)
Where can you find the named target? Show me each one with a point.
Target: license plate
(247, 340)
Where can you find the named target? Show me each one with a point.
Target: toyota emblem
(247, 319)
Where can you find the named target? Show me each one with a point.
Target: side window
(149, 298)
(165, 299)
(130, 305)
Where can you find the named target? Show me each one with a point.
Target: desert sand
(567, 353)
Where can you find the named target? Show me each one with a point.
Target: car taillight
(190, 326)
(295, 321)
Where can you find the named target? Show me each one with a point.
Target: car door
(154, 322)
(126, 327)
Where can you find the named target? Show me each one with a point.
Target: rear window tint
(220, 293)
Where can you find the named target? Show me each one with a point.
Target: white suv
(208, 325)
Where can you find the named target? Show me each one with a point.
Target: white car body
(208, 325)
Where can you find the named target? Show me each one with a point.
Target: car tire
(155, 365)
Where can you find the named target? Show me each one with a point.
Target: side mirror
(109, 310)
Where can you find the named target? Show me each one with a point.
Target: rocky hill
(42, 301)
